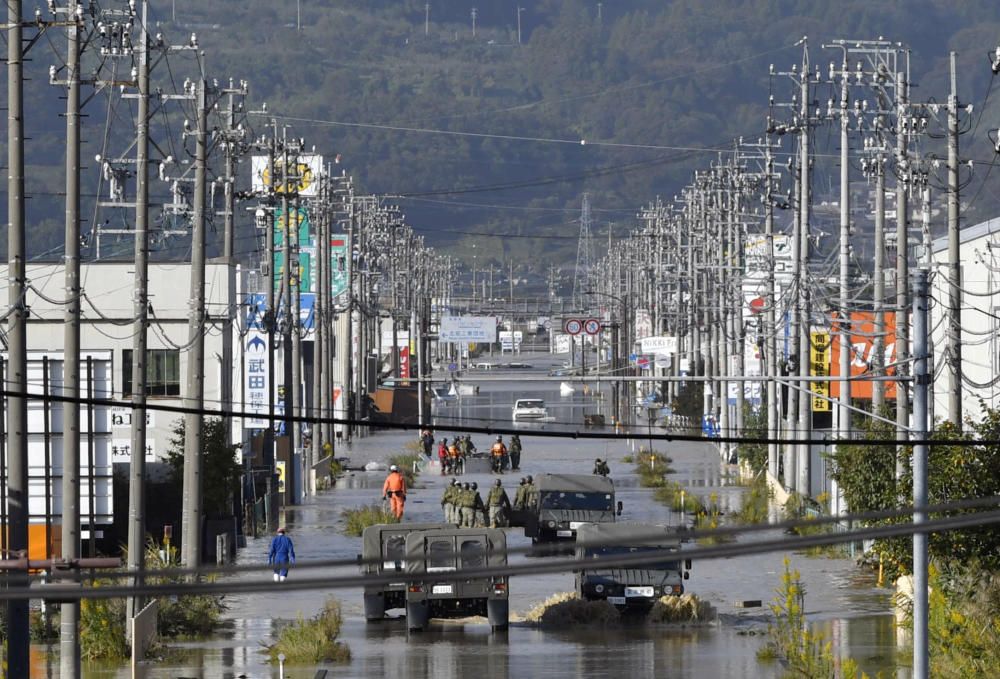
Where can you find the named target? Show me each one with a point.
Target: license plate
(616, 600)
(639, 591)
(441, 589)
(564, 533)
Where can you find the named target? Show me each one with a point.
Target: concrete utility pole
(289, 322)
(298, 400)
(954, 359)
(69, 613)
(804, 308)
(194, 394)
(474, 11)
(844, 315)
(140, 311)
(17, 345)
(771, 326)
(427, 18)
(902, 268)
(878, 161)
(921, 388)
(519, 10)
(321, 214)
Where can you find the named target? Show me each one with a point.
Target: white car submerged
(529, 409)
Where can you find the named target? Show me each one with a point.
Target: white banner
(468, 329)
(660, 344)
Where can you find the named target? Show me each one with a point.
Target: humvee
(435, 585)
(383, 550)
(636, 588)
(563, 502)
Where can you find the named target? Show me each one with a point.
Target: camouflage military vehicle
(384, 551)
(630, 588)
(563, 502)
(435, 585)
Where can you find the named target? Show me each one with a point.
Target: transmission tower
(584, 257)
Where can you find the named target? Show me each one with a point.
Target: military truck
(384, 551)
(563, 502)
(436, 586)
(631, 588)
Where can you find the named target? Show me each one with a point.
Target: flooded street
(852, 612)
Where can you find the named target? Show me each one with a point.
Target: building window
(163, 372)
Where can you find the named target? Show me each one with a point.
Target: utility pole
(17, 346)
(194, 396)
(320, 320)
(69, 615)
(474, 11)
(921, 387)
(298, 399)
(288, 325)
(519, 10)
(844, 336)
(427, 18)
(878, 342)
(954, 359)
(902, 268)
(140, 311)
(803, 467)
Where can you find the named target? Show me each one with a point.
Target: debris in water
(685, 608)
(567, 608)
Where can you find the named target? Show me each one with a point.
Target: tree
(220, 470)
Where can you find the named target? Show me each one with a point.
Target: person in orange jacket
(394, 489)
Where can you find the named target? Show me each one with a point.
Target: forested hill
(372, 81)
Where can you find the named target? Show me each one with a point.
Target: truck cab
(563, 502)
(437, 585)
(629, 588)
(384, 551)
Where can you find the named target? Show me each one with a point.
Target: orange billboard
(862, 331)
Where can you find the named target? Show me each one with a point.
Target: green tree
(220, 470)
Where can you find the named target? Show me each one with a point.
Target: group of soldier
(452, 456)
(464, 506)
(504, 458)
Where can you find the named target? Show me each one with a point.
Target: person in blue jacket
(282, 553)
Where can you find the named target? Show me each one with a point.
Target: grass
(405, 462)
(756, 502)
(312, 641)
(359, 518)
(677, 498)
(652, 469)
(628, 459)
(102, 621)
(797, 507)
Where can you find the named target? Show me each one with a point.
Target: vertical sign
(338, 270)
(819, 366)
(404, 364)
(305, 245)
(256, 380)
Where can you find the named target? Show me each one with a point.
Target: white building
(980, 262)
(106, 330)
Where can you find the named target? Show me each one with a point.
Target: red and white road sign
(592, 326)
(573, 326)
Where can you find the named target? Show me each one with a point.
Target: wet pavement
(843, 601)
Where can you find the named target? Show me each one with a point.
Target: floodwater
(840, 600)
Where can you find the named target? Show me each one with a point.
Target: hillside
(660, 79)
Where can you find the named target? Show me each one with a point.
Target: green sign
(304, 244)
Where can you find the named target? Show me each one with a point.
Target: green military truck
(631, 588)
(563, 502)
(436, 586)
(384, 551)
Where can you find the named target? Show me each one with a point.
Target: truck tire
(498, 612)
(374, 607)
(417, 615)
